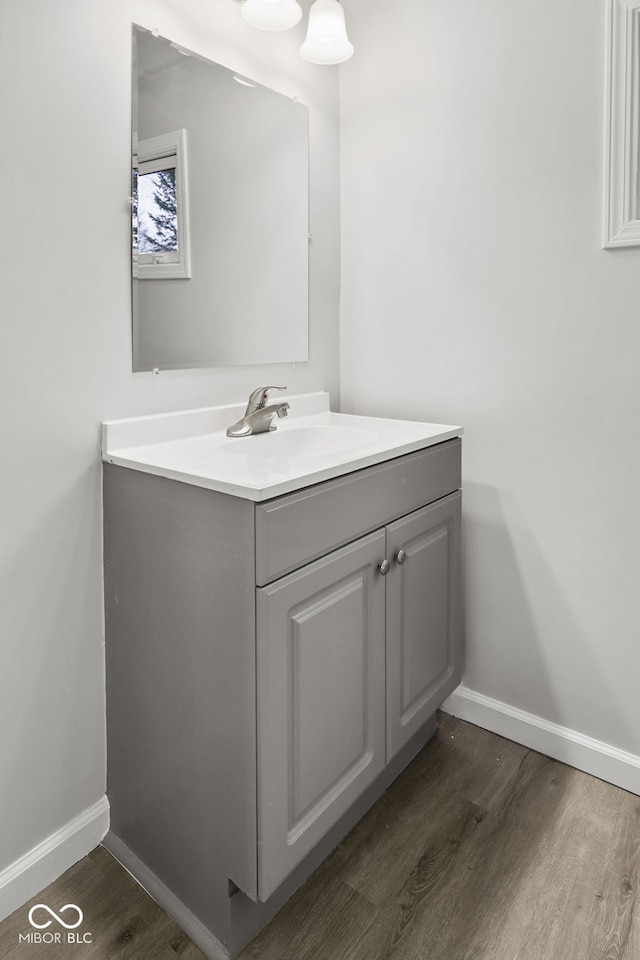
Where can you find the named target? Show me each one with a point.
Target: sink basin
(313, 444)
(304, 441)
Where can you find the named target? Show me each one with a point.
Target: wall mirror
(622, 180)
(220, 225)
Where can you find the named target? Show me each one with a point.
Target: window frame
(622, 163)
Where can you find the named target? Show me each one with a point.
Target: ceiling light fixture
(272, 14)
(326, 41)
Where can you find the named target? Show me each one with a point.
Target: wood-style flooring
(481, 850)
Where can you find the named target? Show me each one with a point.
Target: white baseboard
(26, 877)
(592, 756)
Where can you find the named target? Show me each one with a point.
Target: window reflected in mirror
(160, 209)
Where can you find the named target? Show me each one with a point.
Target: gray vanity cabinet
(267, 678)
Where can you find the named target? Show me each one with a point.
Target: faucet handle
(258, 398)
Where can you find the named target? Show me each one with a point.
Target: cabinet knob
(384, 567)
(401, 556)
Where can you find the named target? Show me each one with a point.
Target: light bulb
(327, 40)
(272, 14)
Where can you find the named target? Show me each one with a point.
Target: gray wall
(475, 292)
(67, 357)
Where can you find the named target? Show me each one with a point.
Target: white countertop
(312, 444)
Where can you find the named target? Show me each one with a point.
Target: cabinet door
(321, 695)
(423, 617)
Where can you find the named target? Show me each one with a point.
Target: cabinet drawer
(299, 527)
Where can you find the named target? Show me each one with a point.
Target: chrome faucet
(258, 417)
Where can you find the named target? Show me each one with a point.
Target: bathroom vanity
(282, 622)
